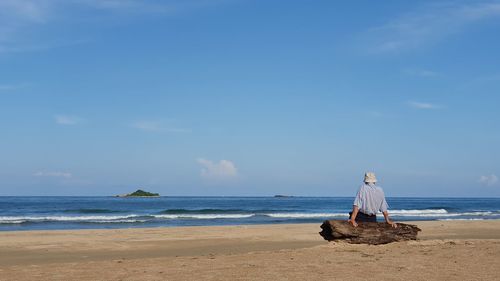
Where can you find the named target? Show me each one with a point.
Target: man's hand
(388, 220)
(393, 224)
(353, 222)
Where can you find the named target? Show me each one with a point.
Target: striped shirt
(370, 199)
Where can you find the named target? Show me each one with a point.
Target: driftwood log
(373, 233)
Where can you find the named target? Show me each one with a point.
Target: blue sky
(221, 97)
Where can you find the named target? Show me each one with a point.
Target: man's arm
(357, 202)
(352, 219)
(388, 220)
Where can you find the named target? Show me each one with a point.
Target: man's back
(370, 199)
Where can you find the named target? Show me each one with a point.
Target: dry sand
(451, 250)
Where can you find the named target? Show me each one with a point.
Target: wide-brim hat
(370, 177)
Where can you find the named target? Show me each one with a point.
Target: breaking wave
(200, 211)
(306, 215)
(229, 214)
(98, 219)
(205, 216)
(438, 213)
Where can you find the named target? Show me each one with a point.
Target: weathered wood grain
(373, 233)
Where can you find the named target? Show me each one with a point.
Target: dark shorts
(364, 217)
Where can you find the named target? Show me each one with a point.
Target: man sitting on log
(370, 199)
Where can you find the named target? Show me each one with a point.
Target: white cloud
(151, 126)
(488, 180)
(136, 6)
(53, 174)
(7, 87)
(17, 13)
(430, 24)
(67, 119)
(489, 78)
(158, 126)
(376, 114)
(423, 105)
(22, 11)
(20, 18)
(422, 73)
(223, 170)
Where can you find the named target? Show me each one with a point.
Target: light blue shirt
(370, 199)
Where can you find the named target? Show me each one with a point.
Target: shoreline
(426, 223)
(247, 252)
(232, 225)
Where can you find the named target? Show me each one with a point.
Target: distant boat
(282, 196)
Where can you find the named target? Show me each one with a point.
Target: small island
(139, 193)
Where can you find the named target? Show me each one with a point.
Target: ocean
(43, 213)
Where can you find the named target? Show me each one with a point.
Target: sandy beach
(446, 250)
